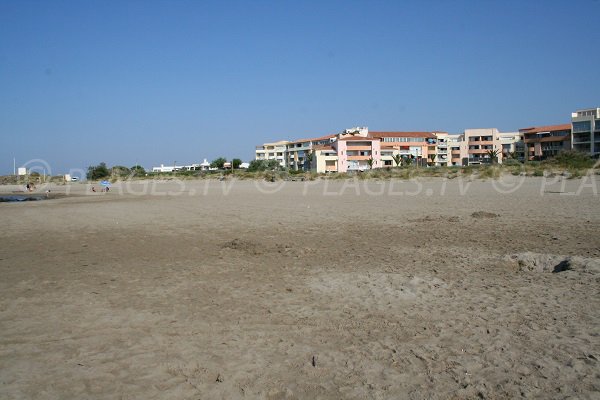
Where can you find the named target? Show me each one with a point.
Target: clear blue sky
(160, 81)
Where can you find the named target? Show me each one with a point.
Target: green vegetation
(119, 171)
(569, 164)
(99, 171)
(218, 163)
(235, 163)
(370, 161)
(263, 165)
(138, 170)
(493, 155)
(572, 159)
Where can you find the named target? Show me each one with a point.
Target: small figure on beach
(28, 187)
(93, 189)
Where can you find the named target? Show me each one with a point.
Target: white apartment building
(273, 151)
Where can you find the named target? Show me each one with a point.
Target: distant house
(165, 168)
(175, 168)
(205, 165)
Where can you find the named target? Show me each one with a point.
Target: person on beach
(28, 188)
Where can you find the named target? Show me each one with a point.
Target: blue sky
(153, 82)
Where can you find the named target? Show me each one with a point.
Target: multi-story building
(357, 149)
(511, 144)
(357, 153)
(479, 144)
(442, 150)
(272, 151)
(585, 131)
(416, 145)
(542, 142)
(454, 142)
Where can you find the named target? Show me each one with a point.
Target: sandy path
(221, 290)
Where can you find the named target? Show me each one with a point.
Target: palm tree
(397, 159)
(432, 158)
(370, 161)
(407, 160)
(493, 155)
(308, 158)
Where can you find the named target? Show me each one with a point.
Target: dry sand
(318, 290)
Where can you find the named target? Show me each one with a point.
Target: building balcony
(358, 158)
(481, 142)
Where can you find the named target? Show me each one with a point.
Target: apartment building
(357, 153)
(454, 146)
(273, 151)
(443, 153)
(542, 142)
(358, 149)
(478, 144)
(298, 152)
(585, 131)
(511, 145)
(416, 145)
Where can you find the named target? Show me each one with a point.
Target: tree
(218, 163)
(138, 170)
(96, 172)
(432, 158)
(119, 170)
(263, 165)
(370, 161)
(407, 160)
(235, 163)
(397, 159)
(308, 158)
(493, 155)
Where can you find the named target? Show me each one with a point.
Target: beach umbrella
(105, 183)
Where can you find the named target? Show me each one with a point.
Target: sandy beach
(303, 290)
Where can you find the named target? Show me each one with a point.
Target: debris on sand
(535, 262)
(242, 245)
(484, 214)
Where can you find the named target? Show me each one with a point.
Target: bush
(572, 159)
(218, 163)
(263, 165)
(96, 172)
(138, 170)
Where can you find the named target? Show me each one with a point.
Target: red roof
(547, 128)
(323, 147)
(403, 134)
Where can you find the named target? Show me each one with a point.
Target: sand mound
(536, 262)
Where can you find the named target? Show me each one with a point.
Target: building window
(582, 126)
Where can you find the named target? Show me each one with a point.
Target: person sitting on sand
(93, 189)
